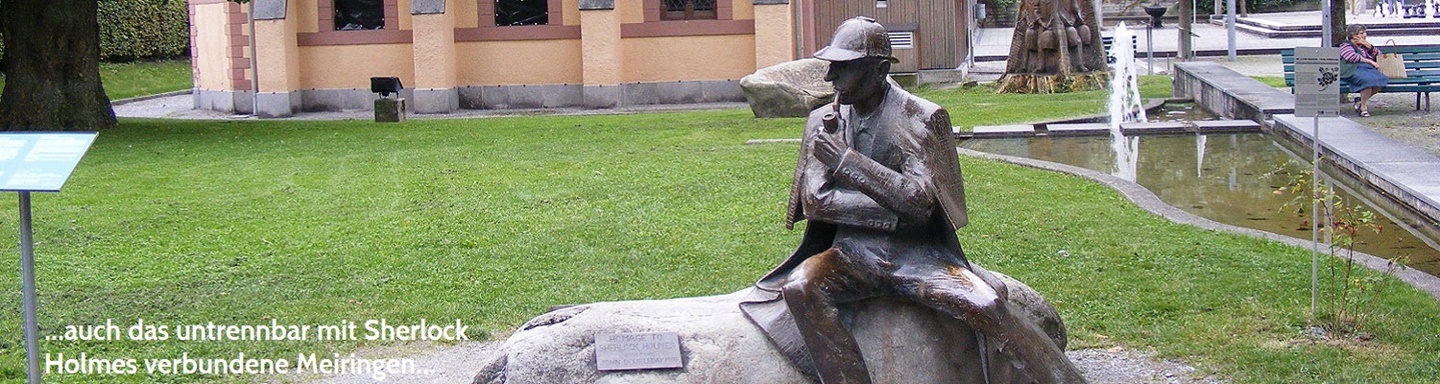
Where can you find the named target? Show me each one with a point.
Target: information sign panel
(40, 162)
(36, 162)
(1317, 82)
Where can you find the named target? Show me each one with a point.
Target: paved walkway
(1210, 39)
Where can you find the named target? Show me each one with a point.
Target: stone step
(1203, 127)
(1272, 29)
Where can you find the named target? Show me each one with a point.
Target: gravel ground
(1394, 115)
(1391, 114)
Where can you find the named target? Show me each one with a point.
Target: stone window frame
(690, 13)
(329, 36)
(654, 26)
(488, 31)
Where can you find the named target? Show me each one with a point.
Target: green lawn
(1273, 81)
(141, 78)
(982, 106)
(491, 221)
(127, 80)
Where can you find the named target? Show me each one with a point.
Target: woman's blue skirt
(1366, 76)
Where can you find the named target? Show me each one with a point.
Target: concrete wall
(1229, 94)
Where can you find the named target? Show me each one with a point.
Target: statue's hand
(828, 148)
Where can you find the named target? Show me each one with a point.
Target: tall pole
(1187, 21)
(27, 287)
(1150, 47)
(1326, 31)
(1230, 28)
(1314, 213)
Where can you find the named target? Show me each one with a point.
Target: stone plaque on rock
(647, 350)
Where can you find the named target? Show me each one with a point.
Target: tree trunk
(1185, 46)
(52, 67)
(1056, 48)
(1337, 22)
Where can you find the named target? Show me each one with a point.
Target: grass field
(141, 78)
(492, 221)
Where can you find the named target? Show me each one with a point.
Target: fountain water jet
(1125, 105)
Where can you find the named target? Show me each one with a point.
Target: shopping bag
(1391, 64)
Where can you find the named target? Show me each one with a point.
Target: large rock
(789, 89)
(902, 343)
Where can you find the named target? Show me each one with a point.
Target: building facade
(318, 55)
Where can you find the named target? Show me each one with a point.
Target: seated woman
(1360, 54)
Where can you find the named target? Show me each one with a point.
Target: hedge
(143, 29)
(1204, 7)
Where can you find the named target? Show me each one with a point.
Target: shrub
(143, 29)
(1256, 6)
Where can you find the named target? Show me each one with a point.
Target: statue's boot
(964, 295)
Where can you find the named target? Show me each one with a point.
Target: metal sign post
(1230, 29)
(27, 287)
(1317, 94)
(36, 162)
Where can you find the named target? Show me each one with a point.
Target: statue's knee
(797, 286)
(992, 309)
(974, 302)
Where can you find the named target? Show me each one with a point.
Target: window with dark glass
(354, 15)
(521, 12)
(688, 9)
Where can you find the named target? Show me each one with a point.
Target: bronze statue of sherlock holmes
(879, 181)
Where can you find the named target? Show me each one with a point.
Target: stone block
(527, 96)
(470, 97)
(990, 131)
(427, 7)
(790, 89)
(274, 104)
(601, 96)
(321, 100)
(721, 91)
(901, 342)
(1226, 126)
(597, 5)
(1130, 129)
(684, 92)
(563, 95)
(639, 94)
(444, 100)
(389, 110)
(495, 97)
(1080, 129)
(270, 9)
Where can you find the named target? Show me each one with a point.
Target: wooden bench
(1422, 70)
(1107, 40)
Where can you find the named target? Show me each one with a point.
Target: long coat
(914, 165)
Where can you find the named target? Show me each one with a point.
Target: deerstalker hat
(857, 38)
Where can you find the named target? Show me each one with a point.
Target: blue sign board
(40, 162)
